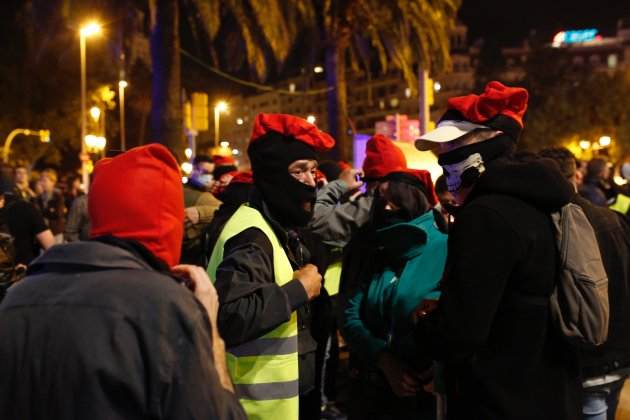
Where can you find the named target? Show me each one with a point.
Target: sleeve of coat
(74, 221)
(356, 333)
(206, 205)
(483, 250)
(333, 222)
(252, 303)
(194, 390)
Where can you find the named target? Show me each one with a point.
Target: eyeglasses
(302, 174)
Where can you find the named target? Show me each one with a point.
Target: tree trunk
(337, 98)
(166, 112)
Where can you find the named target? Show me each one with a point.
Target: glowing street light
(605, 141)
(220, 107)
(318, 69)
(88, 30)
(437, 86)
(122, 85)
(95, 113)
(187, 167)
(235, 152)
(311, 119)
(585, 144)
(188, 152)
(44, 137)
(95, 143)
(224, 144)
(239, 121)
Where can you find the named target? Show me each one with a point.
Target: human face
(202, 173)
(383, 190)
(305, 171)
(21, 176)
(47, 184)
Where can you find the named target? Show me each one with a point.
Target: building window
(394, 102)
(578, 60)
(381, 104)
(612, 61)
(594, 60)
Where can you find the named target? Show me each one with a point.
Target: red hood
(138, 195)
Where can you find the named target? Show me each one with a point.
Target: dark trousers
(372, 399)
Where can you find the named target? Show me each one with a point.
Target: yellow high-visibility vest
(264, 370)
(622, 204)
(332, 278)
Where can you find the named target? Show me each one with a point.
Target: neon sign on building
(574, 37)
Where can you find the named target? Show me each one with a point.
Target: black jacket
(613, 236)
(95, 331)
(503, 358)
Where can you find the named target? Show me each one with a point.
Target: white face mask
(205, 180)
(454, 172)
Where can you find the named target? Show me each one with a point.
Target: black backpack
(579, 303)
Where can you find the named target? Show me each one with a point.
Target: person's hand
(191, 215)
(203, 289)
(426, 307)
(401, 378)
(310, 279)
(352, 178)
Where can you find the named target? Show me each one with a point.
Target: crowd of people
(231, 296)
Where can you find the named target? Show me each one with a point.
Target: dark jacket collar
(102, 253)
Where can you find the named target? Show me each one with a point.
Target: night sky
(508, 22)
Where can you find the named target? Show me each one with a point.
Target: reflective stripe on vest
(264, 370)
(622, 204)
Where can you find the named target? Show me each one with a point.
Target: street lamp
(88, 30)
(220, 107)
(95, 113)
(121, 97)
(311, 119)
(585, 144)
(44, 137)
(605, 141)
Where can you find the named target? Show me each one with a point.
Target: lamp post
(44, 137)
(86, 31)
(121, 97)
(220, 107)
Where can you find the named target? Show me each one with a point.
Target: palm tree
(265, 29)
(403, 34)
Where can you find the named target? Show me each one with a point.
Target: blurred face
(47, 183)
(304, 171)
(21, 176)
(202, 173)
(383, 190)
(447, 199)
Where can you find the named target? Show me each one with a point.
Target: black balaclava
(270, 156)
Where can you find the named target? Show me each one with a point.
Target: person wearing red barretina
(104, 328)
(492, 328)
(263, 271)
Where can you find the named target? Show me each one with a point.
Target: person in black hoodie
(105, 329)
(606, 368)
(503, 358)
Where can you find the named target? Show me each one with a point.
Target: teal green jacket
(379, 316)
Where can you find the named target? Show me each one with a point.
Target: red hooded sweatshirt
(138, 195)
